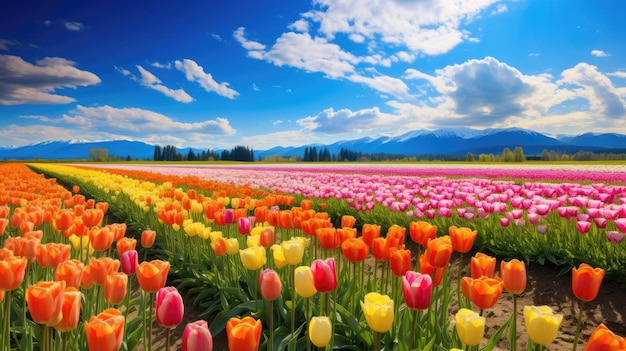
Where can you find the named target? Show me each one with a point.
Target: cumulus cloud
(149, 80)
(342, 121)
(597, 88)
(161, 65)
(599, 53)
(195, 73)
(74, 26)
(22, 82)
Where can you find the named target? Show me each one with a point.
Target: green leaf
(219, 323)
(495, 338)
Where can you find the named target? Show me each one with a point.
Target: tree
(518, 154)
(469, 157)
(98, 154)
(507, 155)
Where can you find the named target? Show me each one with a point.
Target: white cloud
(74, 26)
(167, 65)
(618, 74)
(217, 37)
(300, 25)
(599, 53)
(500, 8)
(22, 82)
(282, 138)
(195, 73)
(343, 121)
(149, 80)
(255, 87)
(384, 84)
(249, 45)
(4, 44)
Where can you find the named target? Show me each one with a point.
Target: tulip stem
(128, 292)
(376, 341)
(6, 322)
(578, 323)
(150, 321)
(168, 339)
(513, 333)
(413, 324)
(270, 310)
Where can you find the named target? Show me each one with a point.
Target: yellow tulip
(542, 325)
(232, 246)
(214, 235)
(279, 256)
(320, 331)
(293, 250)
(253, 240)
(470, 326)
(303, 279)
(378, 311)
(253, 258)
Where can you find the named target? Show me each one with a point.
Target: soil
(545, 287)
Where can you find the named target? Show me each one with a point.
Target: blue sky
(215, 74)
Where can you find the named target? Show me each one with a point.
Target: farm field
(362, 230)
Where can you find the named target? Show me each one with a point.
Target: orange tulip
(482, 264)
(347, 221)
(398, 233)
(267, 237)
(70, 310)
(75, 188)
(243, 334)
(513, 275)
(115, 287)
(45, 302)
(219, 246)
(379, 249)
(306, 204)
(485, 291)
(125, 244)
(462, 238)
(439, 251)
(399, 261)
(147, 238)
(71, 272)
(63, 219)
(51, 254)
(435, 273)
(421, 232)
(260, 213)
(12, 269)
(100, 268)
(603, 339)
(285, 219)
(370, 232)
(269, 284)
(4, 223)
(586, 281)
(119, 230)
(152, 275)
(92, 217)
(105, 331)
(102, 206)
(328, 238)
(86, 282)
(345, 233)
(100, 238)
(355, 249)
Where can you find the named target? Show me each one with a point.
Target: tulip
(270, 284)
(347, 221)
(320, 331)
(12, 270)
(379, 249)
(105, 331)
(603, 339)
(129, 262)
(45, 302)
(169, 307)
(293, 250)
(152, 275)
(513, 274)
(147, 238)
(197, 337)
(244, 226)
(435, 273)
(253, 258)
(303, 281)
(232, 246)
(101, 238)
(485, 291)
(100, 268)
(586, 282)
(462, 238)
(355, 249)
(62, 219)
(417, 289)
(399, 261)
(279, 256)
(324, 274)
(125, 244)
(51, 254)
(93, 217)
(542, 324)
(370, 232)
(378, 310)
(115, 287)
(470, 326)
(482, 264)
(219, 247)
(253, 240)
(70, 271)
(328, 238)
(243, 334)
(421, 232)
(439, 251)
(70, 310)
(267, 237)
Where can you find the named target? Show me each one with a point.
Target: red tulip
(270, 284)
(417, 289)
(586, 281)
(324, 275)
(169, 307)
(197, 337)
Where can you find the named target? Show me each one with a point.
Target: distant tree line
(312, 154)
(170, 153)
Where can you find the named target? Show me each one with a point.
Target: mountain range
(447, 141)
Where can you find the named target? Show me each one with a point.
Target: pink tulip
(504, 222)
(614, 236)
(197, 337)
(620, 223)
(601, 222)
(228, 216)
(169, 307)
(243, 225)
(129, 262)
(583, 227)
(417, 289)
(324, 274)
(270, 284)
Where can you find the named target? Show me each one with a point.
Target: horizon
(296, 73)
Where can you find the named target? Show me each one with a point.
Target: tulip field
(293, 257)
